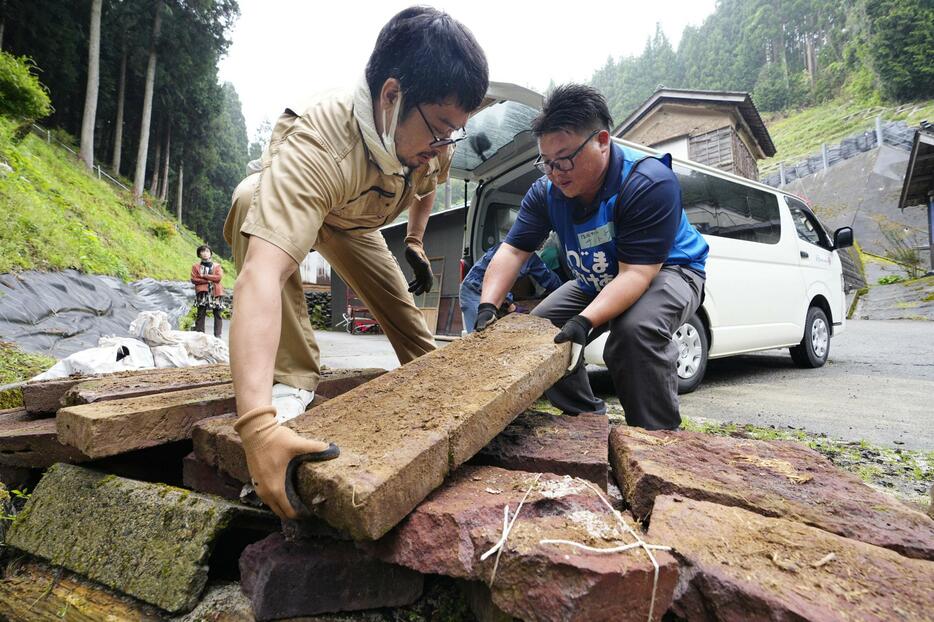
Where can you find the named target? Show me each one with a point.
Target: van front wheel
(691, 339)
(814, 348)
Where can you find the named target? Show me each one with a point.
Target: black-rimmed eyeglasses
(454, 137)
(564, 164)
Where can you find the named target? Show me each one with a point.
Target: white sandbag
(153, 327)
(114, 354)
(173, 356)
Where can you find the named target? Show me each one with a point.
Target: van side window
(497, 222)
(729, 209)
(806, 224)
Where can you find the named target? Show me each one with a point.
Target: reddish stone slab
(119, 426)
(285, 579)
(772, 478)
(148, 382)
(401, 434)
(202, 477)
(739, 565)
(449, 531)
(28, 442)
(559, 444)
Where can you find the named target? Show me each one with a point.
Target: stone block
(216, 443)
(150, 541)
(119, 426)
(202, 477)
(286, 579)
(402, 433)
(772, 478)
(147, 382)
(739, 565)
(28, 442)
(563, 445)
(535, 580)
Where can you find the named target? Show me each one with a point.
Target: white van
(774, 279)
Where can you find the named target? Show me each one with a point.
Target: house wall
(675, 120)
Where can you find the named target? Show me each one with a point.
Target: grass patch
(799, 134)
(57, 216)
(16, 366)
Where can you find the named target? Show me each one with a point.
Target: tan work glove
(273, 452)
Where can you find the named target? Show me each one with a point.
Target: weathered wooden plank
(150, 541)
(26, 441)
(33, 591)
(114, 386)
(402, 433)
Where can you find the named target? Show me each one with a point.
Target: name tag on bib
(596, 237)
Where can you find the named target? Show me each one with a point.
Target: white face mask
(389, 127)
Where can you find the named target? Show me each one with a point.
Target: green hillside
(57, 216)
(800, 133)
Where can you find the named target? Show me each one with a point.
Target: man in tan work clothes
(333, 174)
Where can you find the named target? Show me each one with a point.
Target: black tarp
(59, 313)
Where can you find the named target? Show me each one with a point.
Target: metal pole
(447, 195)
(781, 173)
(879, 130)
(98, 171)
(824, 157)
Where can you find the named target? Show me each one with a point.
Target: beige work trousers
(365, 263)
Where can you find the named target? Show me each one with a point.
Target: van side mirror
(843, 237)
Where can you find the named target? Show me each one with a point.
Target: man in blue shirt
(637, 263)
(469, 294)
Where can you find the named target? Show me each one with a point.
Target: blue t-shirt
(533, 266)
(646, 213)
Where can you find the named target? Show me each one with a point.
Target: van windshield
(491, 129)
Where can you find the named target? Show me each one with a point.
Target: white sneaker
(290, 402)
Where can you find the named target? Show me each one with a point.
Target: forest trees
(156, 59)
(787, 53)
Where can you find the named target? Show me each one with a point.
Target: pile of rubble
(445, 478)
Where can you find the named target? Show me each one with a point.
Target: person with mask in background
(209, 293)
(334, 172)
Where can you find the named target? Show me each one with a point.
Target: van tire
(814, 348)
(691, 339)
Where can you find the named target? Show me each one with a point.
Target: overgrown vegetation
(22, 97)
(196, 137)
(800, 133)
(16, 366)
(56, 216)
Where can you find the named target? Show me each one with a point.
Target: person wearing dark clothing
(469, 295)
(637, 262)
(209, 293)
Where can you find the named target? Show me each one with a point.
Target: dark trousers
(640, 353)
(218, 321)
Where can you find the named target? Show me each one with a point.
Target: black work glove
(486, 314)
(576, 330)
(421, 267)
